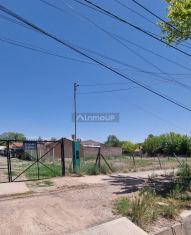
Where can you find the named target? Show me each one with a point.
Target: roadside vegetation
(51, 170)
(165, 144)
(150, 204)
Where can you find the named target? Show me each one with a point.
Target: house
(91, 143)
(2, 150)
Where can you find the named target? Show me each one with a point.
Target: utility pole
(75, 113)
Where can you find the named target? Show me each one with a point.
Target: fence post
(159, 162)
(8, 162)
(37, 160)
(63, 158)
(134, 161)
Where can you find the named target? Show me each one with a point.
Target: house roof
(91, 143)
(15, 145)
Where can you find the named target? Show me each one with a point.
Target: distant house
(2, 150)
(91, 143)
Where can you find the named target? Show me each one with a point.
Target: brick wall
(84, 151)
(106, 151)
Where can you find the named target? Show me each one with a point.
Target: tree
(12, 136)
(113, 141)
(128, 147)
(167, 144)
(152, 145)
(178, 27)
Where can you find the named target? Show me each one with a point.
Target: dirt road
(73, 204)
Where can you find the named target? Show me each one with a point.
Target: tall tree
(12, 136)
(178, 26)
(113, 141)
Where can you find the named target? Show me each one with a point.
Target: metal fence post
(8, 162)
(63, 158)
(37, 160)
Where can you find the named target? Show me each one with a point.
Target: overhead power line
(41, 50)
(51, 53)
(129, 102)
(112, 15)
(24, 45)
(118, 40)
(68, 45)
(152, 52)
(135, 12)
(106, 91)
(155, 15)
(188, 45)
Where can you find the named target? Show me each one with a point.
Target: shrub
(146, 207)
(140, 208)
(184, 173)
(169, 211)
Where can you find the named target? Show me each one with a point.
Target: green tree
(168, 144)
(152, 145)
(113, 141)
(128, 147)
(178, 27)
(12, 136)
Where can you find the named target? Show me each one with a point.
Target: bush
(169, 212)
(184, 173)
(141, 208)
(146, 206)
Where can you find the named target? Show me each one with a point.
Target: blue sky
(37, 89)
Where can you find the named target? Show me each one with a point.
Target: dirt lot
(71, 204)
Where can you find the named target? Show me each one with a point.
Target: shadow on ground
(128, 184)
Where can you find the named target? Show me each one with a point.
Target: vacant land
(22, 169)
(73, 203)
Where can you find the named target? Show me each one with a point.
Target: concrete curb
(182, 228)
(14, 188)
(122, 226)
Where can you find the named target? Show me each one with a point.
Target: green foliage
(141, 208)
(128, 147)
(167, 144)
(12, 136)
(146, 206)
(91, 169)
(169, 211)
(184, 176)
(44, 172)
(113, 141)
(179, 15)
